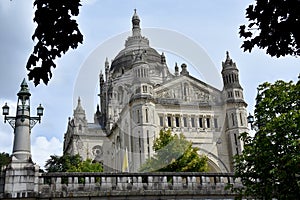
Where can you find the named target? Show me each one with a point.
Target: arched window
(147, 117)
(241, 119)
(232, 118)
(208, 122)
(138, 116)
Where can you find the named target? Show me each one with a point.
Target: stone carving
(97, 153)
(79, 144)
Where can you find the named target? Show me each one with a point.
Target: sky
(208, 27)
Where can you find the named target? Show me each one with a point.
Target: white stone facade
(139, 96)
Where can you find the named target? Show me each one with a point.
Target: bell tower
(235, 108)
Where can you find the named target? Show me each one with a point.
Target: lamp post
(250, 120)
(22, 124)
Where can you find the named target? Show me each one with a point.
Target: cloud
(42, 148)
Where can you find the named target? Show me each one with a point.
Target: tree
(174, 154)
(87, 166)
(274, 25)
(56, 32)
(68, 163)
(4, 159)
(269, 166)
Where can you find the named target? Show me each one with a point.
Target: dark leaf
(275, 23)
(56, 33)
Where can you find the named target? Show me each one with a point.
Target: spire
(228, 60)
(176, 69)
(24, 89)
(230, 73)
(163, 58)
(106, 64)
(79, 107)
(106, 69)
(101, 77)
(136, 29)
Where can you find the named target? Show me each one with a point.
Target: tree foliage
(269, 165)
(56, 32)
(68, 163)
(87, 166)
(174, 154)
(4, 159)
(274, 25)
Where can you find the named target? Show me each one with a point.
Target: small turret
(230, 73)
(176, 70)
(136, 29)
(97, 116)
(106, 69)
(163, 59)
(184, 70)
(79, 111)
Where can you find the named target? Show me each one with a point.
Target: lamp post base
(21, 179)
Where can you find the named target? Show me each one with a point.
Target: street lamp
(5, 109)
(40, 110)
(22, 124)
(250, 120)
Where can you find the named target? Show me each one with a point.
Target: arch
(212, 167)
(214, 163)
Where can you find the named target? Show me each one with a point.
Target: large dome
(126, 57)
(136, 48)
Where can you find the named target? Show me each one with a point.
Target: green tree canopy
(68, 163)
(274, 26)
(269, 165)
(56, 32)
(174, 154)
(4, 159)
(87, 166)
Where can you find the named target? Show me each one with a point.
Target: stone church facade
(139, 96)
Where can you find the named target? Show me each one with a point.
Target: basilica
(139, 96)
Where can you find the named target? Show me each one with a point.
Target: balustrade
(183, 184)
(98, 184)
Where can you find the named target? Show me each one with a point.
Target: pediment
(185, 88)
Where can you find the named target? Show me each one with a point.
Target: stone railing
(143, 185)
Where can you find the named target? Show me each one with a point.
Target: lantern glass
(250, 119)
(5, 109)
(40, 110)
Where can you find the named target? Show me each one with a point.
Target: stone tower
(236, 113)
